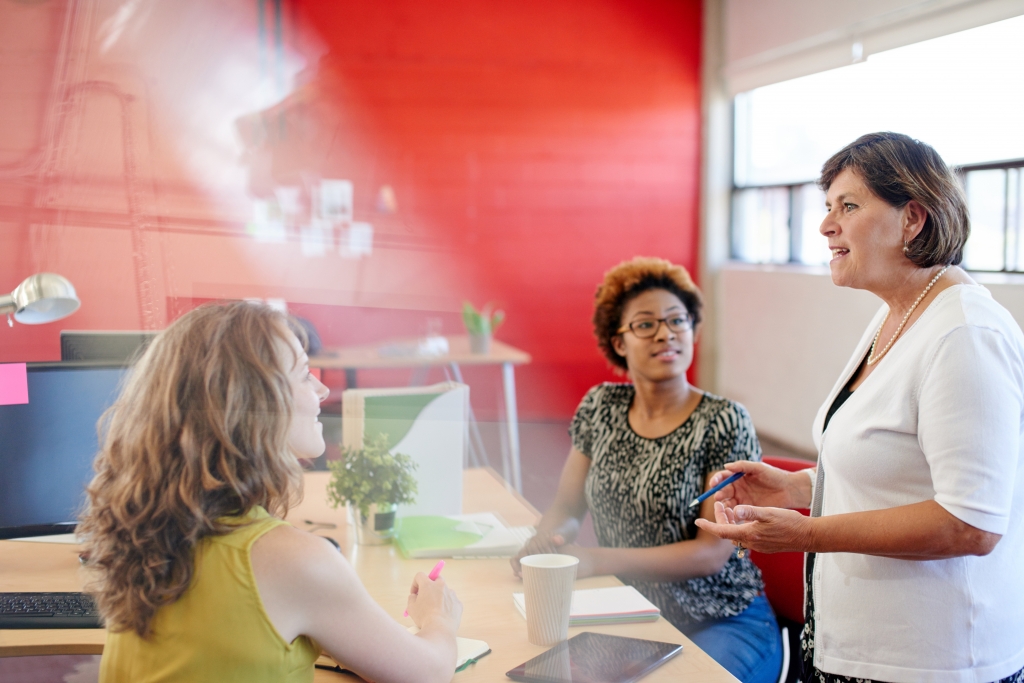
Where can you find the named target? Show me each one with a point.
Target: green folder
(414, 535)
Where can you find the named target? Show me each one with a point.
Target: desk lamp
(40, 298)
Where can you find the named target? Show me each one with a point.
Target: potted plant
(373, 481)
(481, 326)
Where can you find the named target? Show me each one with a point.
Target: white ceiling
(767, 41)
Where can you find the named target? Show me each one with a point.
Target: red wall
(530, 145)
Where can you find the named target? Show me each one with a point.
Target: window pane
(809, 204)
(1015, 219)
(760, 225)
(986, 198)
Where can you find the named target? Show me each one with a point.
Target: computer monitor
(110, 347)
(47, 446)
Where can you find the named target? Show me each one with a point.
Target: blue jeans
(748, 645)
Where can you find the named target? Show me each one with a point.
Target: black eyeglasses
(645, 328)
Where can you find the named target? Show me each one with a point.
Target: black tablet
(596, 658)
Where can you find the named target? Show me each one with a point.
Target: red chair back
(784, 572)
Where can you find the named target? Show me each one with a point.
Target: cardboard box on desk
(429, 424)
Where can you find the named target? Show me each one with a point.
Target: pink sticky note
(13, 384)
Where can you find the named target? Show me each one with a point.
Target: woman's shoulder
(609, 394)
(980, 308)
(719, 406)
(244, 530)
(284, 544)
(971, 306)
(296, 562)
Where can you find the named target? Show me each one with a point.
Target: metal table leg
(512, 423)
(476, 452)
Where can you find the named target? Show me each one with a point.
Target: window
(994, 198)
(961, 93)
(779, 224)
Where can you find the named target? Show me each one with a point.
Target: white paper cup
(547, 587)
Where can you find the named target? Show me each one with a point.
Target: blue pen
(712, 491)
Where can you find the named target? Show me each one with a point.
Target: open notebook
(469, 652)
(614, 605)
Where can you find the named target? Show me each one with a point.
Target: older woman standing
(915, 541)
(640, 453)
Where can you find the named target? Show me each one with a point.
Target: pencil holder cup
(547, 589)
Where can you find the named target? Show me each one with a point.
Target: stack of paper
(615, 605)
(478, 535)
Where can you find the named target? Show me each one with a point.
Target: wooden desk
(484, 586)
(354, 358)
(368, 357)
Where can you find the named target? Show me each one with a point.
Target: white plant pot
(480, 343)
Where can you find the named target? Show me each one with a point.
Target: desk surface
(365, 357)
(484, 586)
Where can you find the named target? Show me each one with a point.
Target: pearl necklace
(872, 358)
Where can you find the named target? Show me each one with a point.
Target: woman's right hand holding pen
(752, 511)
(433, 601)
(763, 486)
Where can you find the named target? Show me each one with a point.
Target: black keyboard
(48, 610)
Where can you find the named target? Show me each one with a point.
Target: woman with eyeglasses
(641, 452)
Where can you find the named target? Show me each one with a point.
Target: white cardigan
(940, 418)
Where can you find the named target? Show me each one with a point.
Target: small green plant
(370, 475)
(482, 322)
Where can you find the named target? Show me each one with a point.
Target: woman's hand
(762, 485)
(764, 529)
(434, 600)
(541, 543)
(561, 522)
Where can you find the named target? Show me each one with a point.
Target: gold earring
(906, 248)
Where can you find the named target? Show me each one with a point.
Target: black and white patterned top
(638, 491)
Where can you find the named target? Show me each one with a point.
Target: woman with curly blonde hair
(198, 577)
(641, 452)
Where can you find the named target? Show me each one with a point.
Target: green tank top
(218, 631)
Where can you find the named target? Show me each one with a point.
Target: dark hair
(897, 168)
(625, 282)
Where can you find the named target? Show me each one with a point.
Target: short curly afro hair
(625, 282)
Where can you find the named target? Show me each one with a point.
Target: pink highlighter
(434, 573)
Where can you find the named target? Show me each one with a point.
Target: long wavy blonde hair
(199, 433)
